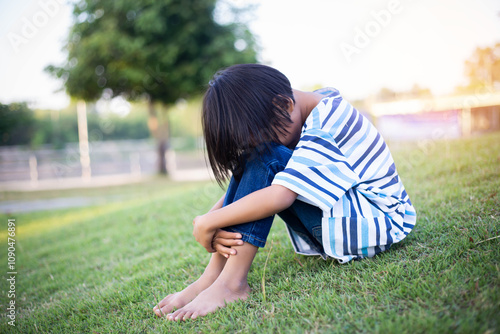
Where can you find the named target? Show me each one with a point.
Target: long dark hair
(244, 106)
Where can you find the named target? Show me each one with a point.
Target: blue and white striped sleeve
(317, 171)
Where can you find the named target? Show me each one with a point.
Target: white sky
(422, 41)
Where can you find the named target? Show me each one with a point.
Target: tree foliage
(483, 68)
(159, 49)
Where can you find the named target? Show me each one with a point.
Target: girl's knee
(270, 156)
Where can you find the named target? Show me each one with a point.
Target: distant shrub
(17, 124)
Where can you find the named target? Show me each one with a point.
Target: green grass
(151, 185)
(100, 269)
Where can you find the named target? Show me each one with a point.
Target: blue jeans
(258, 171)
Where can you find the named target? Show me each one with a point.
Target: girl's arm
(219, 203)
(257, 205)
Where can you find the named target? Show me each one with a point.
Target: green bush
(17, 125)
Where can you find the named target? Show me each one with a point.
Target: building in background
(444, 117)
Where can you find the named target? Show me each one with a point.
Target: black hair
(244, 106)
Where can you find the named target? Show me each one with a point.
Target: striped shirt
(343, 166)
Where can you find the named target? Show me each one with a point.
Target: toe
(187, 315)
(173, 316)
(166, 309)
(180, 316)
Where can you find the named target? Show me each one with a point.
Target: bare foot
(230, 286)
(178, 299)
(218, 295)
(181, 298)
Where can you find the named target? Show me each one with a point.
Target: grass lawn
(100, 269)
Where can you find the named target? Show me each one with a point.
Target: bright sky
(356, 46)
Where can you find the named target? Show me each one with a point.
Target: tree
(158, 50)
(386, 94)
(483, 69)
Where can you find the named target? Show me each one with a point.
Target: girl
(309, 157)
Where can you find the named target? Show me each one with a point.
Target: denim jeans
(258, 171)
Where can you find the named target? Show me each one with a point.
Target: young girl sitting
(309, 157)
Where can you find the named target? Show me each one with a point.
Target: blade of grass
(264, 274)
(158, 304)
(480, 242)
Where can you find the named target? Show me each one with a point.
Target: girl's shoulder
(324, 111)
(328, 91)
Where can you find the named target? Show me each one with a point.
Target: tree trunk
(162, 160)
(159, 130)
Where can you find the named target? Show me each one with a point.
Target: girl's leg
(230, 286)
(232, 283)
(305, 221)
(258, 173)
(181, 298)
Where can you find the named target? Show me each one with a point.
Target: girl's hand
(223, 240)
(203, 233)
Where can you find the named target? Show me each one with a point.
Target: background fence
(134, 157)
